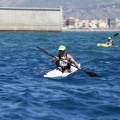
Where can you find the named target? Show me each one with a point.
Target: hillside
(87, 9)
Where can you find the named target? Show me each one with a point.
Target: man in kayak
(63, 60)
(110, 41)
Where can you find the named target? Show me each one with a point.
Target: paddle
(91, 74)
(115, 34)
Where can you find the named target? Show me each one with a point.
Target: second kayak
(103, 45)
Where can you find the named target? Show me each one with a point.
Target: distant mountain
(82, 9)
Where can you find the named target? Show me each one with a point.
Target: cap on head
(62, 47)
(109, 38)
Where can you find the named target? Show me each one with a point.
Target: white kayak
(58, 74)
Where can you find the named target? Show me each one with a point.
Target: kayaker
(110, 41)
(63, 60)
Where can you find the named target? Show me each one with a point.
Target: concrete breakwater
(30, 19)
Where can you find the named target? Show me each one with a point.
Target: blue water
(26, 95)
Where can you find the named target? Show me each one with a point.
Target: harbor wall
(30, 19)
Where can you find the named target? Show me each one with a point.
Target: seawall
(30, 19)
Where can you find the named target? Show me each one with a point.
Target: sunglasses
(61, 50)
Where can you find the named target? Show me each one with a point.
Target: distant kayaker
(110, 41)
(63, 60)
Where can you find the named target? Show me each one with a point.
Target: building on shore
(31, 19)
(107, 24)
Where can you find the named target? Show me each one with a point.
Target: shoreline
(92, 30)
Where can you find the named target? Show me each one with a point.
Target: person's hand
(78, 67)
(56, 58)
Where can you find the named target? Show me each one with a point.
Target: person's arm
(55, 59)
(73, 61)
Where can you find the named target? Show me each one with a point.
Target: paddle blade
(115, 34)
(91, 74)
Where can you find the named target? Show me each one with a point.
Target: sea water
(26, 95)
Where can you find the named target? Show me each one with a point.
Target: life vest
(110, 43)
(64, 63)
